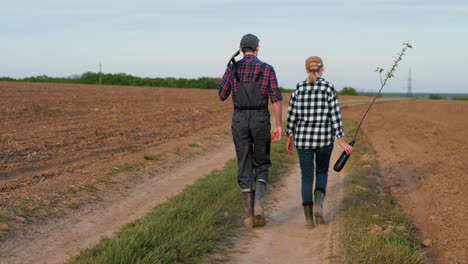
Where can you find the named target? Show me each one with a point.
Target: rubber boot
(309, 218)
(318, 210)
(248, 198)
(259, 203)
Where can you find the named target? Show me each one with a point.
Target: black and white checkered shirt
(314, 117)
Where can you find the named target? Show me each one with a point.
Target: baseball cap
(249, 41)
(313, 62)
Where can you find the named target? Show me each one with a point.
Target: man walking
(251, 82)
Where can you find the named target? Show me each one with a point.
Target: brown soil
(68, 150)
(60, 142)
(48, 130)
(77, 151)
(422, 150)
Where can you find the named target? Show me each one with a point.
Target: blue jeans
(322, 162)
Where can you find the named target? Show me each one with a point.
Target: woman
(314, 120)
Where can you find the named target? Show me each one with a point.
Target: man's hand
(289, 145)
(276, 134)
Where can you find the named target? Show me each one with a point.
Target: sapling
(344, 156)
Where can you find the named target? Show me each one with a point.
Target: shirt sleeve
(273, 89)
(292, 115)
(224, 87)
(335, 114)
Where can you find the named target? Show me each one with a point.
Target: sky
(192, 39)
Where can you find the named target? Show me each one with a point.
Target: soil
(74, 155)
(78, 152)
(58, 139)
(422, 148)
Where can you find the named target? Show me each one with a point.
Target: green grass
(73, 206)
(151, 157)
(461, 98)
(177, 152)
(365, 207)
(194, 145)
(197, 222)
(125, 167)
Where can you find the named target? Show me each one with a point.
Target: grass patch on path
(372, 228)
(187, 227)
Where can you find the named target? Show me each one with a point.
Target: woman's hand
(345, 146)
(289, 145)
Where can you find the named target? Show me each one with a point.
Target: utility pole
(100, 73)
(410, 86)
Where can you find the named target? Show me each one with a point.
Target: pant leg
(244, 148)
(322, 163)
(306, 161)
(260, 130)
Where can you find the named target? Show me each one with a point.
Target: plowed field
(422, 149)
(58, 140)
(47, 129)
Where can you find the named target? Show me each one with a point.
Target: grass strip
(373, 229)
(187, 227)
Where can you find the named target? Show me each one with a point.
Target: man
(251, 82)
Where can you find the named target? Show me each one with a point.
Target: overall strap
(236, 74)
(260, 73)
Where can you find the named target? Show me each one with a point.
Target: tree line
(127, 80)
(124, 79)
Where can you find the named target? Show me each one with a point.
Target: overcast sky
(191, 39)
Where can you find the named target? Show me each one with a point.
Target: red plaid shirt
(248, 69)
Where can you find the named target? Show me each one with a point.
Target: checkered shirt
(248, 68)
(314, 118)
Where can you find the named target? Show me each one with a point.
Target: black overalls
(251, 131)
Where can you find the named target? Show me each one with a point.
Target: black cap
(249, 41)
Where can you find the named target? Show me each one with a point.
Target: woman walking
(314, 120)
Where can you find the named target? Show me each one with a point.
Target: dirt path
(62, 239)
(285, 238)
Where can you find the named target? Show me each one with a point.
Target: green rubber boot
(260, 188)
(248, 198)
(318, 210)
(309, 218)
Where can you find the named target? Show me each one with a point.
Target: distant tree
(461, 98)
(7, 79)
(437, 97)
(348, 91)
(285, 90)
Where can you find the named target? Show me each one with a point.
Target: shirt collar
(249, 58)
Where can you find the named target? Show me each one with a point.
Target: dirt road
(65, 237)
(285, 239)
